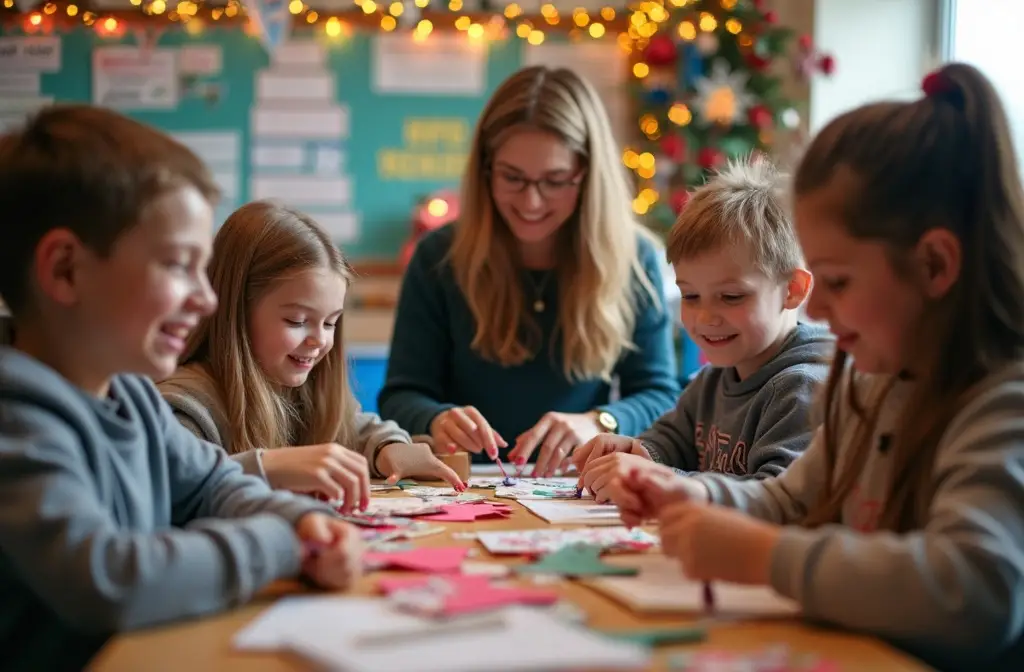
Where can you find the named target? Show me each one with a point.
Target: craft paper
(467, 513)
(770, 659)
(661, 587)
(575, 561)
(552, 644)
(528, 491)
(399, 506)
(576, 512)
(437, 560)
(658, 636)
(547, 539)
(494, 482)
(460, 594)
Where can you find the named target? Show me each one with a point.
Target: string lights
(420, 17)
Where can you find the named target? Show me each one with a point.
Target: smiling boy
(112, 515)
(742, 278)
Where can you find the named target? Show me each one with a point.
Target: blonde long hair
(599, 259)
(945, 160)
(261, 244)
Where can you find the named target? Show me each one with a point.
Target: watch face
(607, 421)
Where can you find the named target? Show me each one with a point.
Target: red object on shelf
(432, 212)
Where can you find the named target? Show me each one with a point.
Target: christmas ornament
(760, 117)
(710, 158)
(661, 51)
(722, 97)
(790, 118)
(678, 200)
(674, 147)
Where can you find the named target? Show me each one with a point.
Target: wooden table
(205, 644)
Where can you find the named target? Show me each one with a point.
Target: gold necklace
(538, 291)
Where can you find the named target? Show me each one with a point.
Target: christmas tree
(707, 87)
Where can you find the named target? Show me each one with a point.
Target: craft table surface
(205, 644)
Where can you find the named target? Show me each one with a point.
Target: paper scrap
(547, 539)
(459, 594)
(576, 560)
(577, 512)
(661, 587)
(428, 559)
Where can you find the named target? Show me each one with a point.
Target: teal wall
(376, 122)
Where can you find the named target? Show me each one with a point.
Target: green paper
(657, 636)
(574, 561)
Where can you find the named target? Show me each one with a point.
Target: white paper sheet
(301, 52)
(661, 588)
(302, 190)
(328, 160)
(573, 511)
(35, 53)
(200, 59)
(20, 84)
(275, 85)
(278, 156)
(553, 645)
(215, 148)
(343, 227)
(301, 122)
(446, 64)
(128, 78)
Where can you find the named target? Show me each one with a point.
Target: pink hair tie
(936, 84)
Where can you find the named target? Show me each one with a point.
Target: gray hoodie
(750, 428)
(952, 591)
(114, 517)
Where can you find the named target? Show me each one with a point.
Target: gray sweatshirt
(950, 592)
(198, 405)
(114, 517)
(752, 428)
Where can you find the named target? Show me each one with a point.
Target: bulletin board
(353, 132)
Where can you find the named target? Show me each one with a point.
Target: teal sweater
(432, 366)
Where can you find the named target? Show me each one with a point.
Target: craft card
(459, 594)
(661, 587)
(575, 561)
(768, 660)
(467, 513)
(548, 539)
(461, 646)
(430, 559)
(399, 506)
(525, 490)
(574, 512)
(494, 482)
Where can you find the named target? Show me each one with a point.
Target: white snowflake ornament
(722, 98)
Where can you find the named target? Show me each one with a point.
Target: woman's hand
(328, 469)
(556, 434)
(716, 543)
(332, 552)
(465, 428)
(415, 460)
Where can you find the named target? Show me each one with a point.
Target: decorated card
(525, 490)
(547, 540)
(400, 506)
(494, 482)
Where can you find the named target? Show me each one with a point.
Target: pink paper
(472, 593)
(433, 560)
(467, 513)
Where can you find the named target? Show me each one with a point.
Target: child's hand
(415, 460)
(716, 543)
(604, 478)
(656, 486)
(605, 444)
(326, 469)
(332, 553)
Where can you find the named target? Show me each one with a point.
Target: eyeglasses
(549, 189)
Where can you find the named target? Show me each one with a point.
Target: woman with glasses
(515, 323)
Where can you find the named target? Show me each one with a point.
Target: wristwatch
(607, 422)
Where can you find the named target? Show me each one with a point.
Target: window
(983, 33)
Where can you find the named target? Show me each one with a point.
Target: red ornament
(771, 17)
(678, 199)
(673, 147)
(661, 51)
(760, 117)
(805, 43)
(710, 158)
(755, 62)
(827, 64)
(758, 4)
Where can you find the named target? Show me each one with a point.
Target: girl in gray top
(263, 372)
(905, 517)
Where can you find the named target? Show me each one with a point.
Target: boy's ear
(56, 259)
(798, 288)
